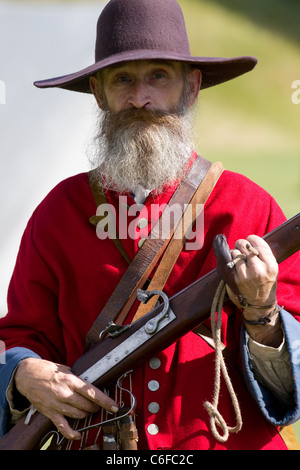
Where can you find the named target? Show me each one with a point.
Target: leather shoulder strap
(139, 269)
(177, 243)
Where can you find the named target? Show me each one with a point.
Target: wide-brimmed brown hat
(143, 30)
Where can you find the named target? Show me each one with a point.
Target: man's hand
(256, 280)
(57, 393)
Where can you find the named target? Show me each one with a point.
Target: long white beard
(142, 149)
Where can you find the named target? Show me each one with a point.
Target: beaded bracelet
(262, 321)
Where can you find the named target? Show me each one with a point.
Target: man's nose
(139, 96)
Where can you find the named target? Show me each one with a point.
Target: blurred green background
(251, 123)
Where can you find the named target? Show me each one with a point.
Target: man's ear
(97, 92)
(195, 79)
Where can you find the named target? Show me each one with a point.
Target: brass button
(153, 429)
(153, 407)
(153, 385)
(142, 223)
(155, 363)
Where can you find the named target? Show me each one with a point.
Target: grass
(296, 427)
(249, 123)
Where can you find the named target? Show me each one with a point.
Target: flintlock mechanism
(190, 307)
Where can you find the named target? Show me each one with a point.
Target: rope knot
(216, 419)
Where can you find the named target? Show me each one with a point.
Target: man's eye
(122, 79)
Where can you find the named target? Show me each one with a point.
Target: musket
(125, 348)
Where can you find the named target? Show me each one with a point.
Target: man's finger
(263, 248)
(64, 428)
(92, 393)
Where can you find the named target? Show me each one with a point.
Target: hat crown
(147, 30)
(135, 25)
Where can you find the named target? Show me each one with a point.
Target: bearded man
(145, 83)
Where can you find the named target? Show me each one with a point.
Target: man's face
(144, 128)
(153, 85)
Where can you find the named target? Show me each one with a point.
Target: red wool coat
(65, 274)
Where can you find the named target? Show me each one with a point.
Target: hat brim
(215, 70)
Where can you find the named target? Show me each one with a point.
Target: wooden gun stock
(191, 307)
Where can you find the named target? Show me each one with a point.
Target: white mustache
(142, 148)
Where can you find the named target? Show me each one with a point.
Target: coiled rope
(216, 419)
